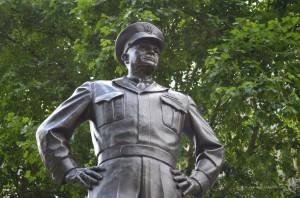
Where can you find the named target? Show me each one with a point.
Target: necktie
(141, 85)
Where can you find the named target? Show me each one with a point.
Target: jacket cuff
(61, 168)
(203, 180)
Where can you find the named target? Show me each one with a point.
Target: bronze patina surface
(136, 126)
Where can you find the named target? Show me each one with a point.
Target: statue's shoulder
(101, 87)
(102, 82)
(177, 94)
(177, 97)
(96, 83)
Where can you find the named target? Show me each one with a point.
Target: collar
(137, 80)
(127, 83)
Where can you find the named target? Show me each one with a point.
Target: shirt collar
(130, 83)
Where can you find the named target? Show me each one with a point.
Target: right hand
(87, 177)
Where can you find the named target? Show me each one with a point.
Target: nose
(153, 50)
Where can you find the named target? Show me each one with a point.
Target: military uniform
(136, 136)
(135, 132)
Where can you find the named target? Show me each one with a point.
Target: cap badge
(148, 29)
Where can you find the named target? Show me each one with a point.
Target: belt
(135, 150)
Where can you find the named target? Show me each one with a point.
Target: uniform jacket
(136, 135)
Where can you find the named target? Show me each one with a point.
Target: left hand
(187, 185)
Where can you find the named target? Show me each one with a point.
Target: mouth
(149, 59)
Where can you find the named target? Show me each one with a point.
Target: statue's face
(143, 58)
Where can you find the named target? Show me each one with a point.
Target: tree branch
(24, 47)
(215, 113)
(254, 136)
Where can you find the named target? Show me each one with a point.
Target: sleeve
(209, 151)
(54, 133)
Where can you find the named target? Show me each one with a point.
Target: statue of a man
(136, 125)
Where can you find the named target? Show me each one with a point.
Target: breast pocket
(173, 112)
(109, 108)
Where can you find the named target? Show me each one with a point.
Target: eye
(156, 50)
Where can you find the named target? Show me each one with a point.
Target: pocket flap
(108, 97)
(174, 102)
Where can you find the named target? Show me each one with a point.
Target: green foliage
(255, 76)
(239, 60)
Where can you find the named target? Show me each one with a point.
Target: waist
(137, 150)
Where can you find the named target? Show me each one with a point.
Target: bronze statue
(136, 125)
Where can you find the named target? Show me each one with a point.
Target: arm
(55, 132)
(209, 152)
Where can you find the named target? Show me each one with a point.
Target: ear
(125, 58)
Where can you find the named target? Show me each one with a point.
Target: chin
(144, 67)
(147, 69)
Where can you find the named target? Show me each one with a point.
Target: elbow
(40, 133)
(40, 136)
(222, 157)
